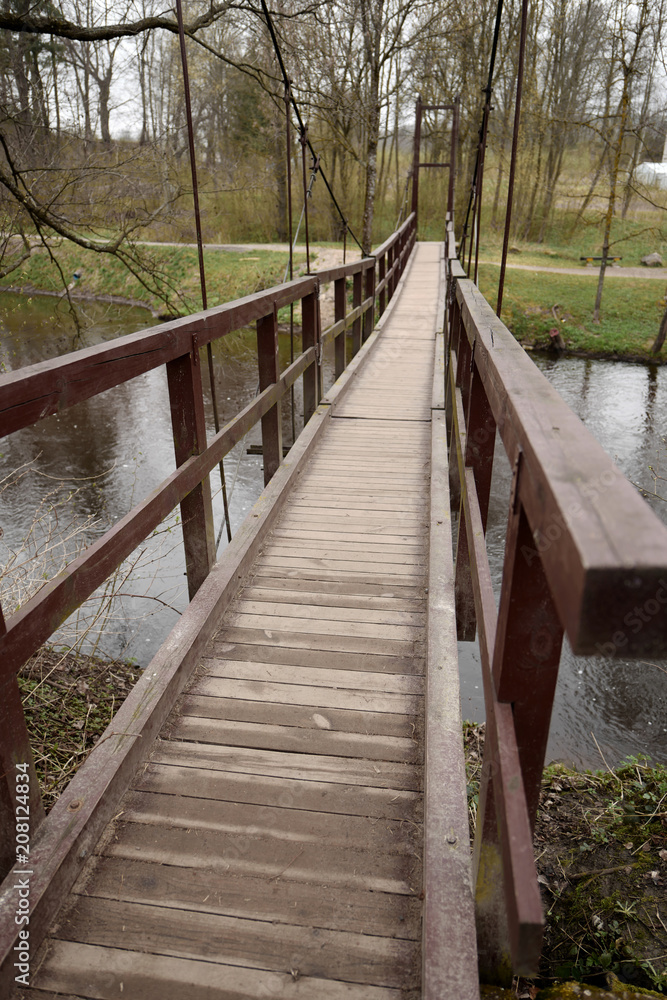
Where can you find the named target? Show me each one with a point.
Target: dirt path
(588, 272)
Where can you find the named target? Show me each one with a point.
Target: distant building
(654, 173)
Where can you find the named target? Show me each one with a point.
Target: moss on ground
(68, 701)
(601, 851)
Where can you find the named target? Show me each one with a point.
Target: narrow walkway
(271, 845)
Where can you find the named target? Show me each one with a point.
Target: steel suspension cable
(475, 187)
(200, 247)
(515, 144)
(302, 127)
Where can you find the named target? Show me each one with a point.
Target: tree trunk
(371, 172)
(662, 333)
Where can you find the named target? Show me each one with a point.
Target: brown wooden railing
(583, 553)
(30, 394)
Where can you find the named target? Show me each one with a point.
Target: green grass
(536, 302)
(171, 273)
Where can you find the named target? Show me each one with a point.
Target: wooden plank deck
(271, 844)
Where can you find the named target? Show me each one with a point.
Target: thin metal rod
(269, 24)
(515, 144)
(473, 201)
(291, 248)
(306, 192)
(200, 245)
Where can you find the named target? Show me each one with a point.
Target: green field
(536, 302)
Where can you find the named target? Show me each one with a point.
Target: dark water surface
(104, 455)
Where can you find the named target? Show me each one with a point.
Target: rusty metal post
(515, 144)
(304, 143)
(200, 250)
(357, 289)
(340, 308)
(416, 154)
(189, 430)
(309, 337)
(269, 372)
(21, 809)
(452, 158)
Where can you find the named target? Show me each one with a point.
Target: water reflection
(620, 703)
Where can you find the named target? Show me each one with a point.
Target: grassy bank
(536, 303)
(168, 281)
(599, 844)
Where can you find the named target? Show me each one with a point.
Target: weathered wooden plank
(159, 977)
(306, 767)
(268, 858)
(216, 891)
(295, 824)
(374, 700)
(342, 568)
(312, 678)
(295, 740)
(353, 603)
(271, 792)
(294, 609)
(360, 553)
(314, 641)
(329, 718)
(308, 656)
(255, 944)
(449, 954)
(324, 625)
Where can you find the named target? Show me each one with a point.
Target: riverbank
(168, 284)
(599, 845)
(539, 307)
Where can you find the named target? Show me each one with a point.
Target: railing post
(310, 338)
(21, 809)
(526, 656)
(390, 269)
(189, 430)
(356, 302)
(382, 269)
(269, 372)
(369, 315)
(480, 443)
(528, 646)
(340, 309)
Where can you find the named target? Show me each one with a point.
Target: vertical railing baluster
(357, 289)
(340, 309)
(189, 430)
(382, 268)
(309, 313)
(369, 316)
(269, 372)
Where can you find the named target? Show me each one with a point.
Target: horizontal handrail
(583, 553)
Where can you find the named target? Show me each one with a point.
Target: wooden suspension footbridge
(279, 809)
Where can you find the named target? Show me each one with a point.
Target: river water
(86, 467)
